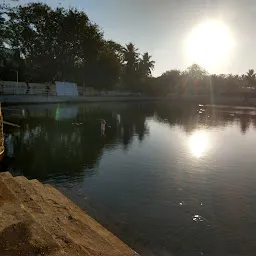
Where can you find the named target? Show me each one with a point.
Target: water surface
(168, 179)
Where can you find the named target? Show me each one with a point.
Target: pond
(168, 179)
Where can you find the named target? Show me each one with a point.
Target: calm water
(167, 179)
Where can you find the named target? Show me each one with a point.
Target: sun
(209, 44)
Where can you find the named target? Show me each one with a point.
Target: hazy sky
(161, 27)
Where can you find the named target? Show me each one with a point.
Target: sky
(162, 28)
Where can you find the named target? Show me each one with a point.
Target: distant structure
(66, 89)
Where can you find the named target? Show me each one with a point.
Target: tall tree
(2, 36)
(55, 43)
(63, 44)
(131, 60)
(131, 56)
(2, 30)
(196, 72)
(171, 80)
(116, 48)
(109, 67)
(251, 78)
(146, 65)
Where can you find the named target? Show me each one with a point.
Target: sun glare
(209, 44)
(198, 143)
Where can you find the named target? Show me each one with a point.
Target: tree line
(63, 44)
(47, 45)
(197, 81)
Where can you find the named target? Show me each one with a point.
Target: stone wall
(21, 88)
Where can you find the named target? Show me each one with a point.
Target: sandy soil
(36, 219)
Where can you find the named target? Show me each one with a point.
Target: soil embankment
(36, 219)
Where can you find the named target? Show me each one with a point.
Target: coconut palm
(251, 73)
(131, 56)
(251, 77)
(146, 65)
(131, 59)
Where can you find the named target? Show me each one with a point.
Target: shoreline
(35, 99)
(37, 219)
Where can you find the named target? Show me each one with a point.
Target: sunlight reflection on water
(198, 143)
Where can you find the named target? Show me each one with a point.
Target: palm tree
(131, 56)
(251, 73)
(146, 65)
(251, 78)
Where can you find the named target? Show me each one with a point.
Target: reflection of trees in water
(245, 122)
(133, 122)
(44, 146)
(192, 116)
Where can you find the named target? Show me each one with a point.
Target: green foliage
(137, 70)
(131, 61)
(196, 72)
(146, 65)
(54, 43)
(196, 81)
(171, 80)
(109, 68)
(2, 30)
(63, 44)
(251, 78)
